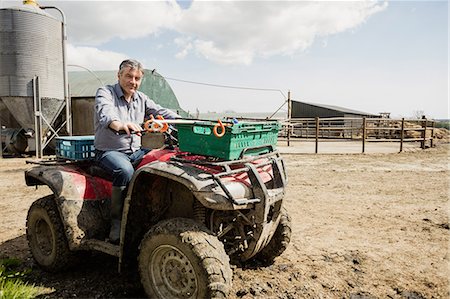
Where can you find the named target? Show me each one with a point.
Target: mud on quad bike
(185, 218)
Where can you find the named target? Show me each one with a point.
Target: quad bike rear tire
(279, 242)
(180, 258)
(45, 235)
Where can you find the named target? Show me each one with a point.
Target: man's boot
(117, 198)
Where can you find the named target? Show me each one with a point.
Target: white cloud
(234, 32)
(93, 58)
(93, 23)
(210, 51)
(185, 44)
(225, 32)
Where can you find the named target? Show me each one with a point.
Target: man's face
(130, 80)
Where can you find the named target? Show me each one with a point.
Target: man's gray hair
(131, 63)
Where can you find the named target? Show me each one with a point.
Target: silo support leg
(37, 118)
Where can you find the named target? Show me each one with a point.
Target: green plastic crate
(199, 138)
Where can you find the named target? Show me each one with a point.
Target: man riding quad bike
(185, 217)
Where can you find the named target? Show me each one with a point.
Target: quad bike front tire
(180, 258)
(279, 242)
(45, 235)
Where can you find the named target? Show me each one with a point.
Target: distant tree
(417, 114)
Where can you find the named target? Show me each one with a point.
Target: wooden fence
(363, 129)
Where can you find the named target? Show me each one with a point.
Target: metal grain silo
(31, 45)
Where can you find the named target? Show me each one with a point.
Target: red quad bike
(185, 217)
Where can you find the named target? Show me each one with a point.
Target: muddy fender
(80, 200)
(198, 182)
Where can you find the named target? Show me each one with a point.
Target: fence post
(317, 135)
(1, 144)
(288, 133)
(402, 134)
(364, 135)
(351, 129)
(377, 130)
(329, 131)
(432, 133)
(289, 116)
(424, 132)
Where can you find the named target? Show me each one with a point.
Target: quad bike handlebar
(161, 125)
(170, 135)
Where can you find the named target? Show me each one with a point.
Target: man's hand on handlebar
(128, 127)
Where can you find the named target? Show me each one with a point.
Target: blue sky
(365, 55)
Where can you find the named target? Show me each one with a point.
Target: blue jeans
(121, 165)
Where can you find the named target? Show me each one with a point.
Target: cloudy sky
(372, 56)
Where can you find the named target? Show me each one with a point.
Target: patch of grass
(11, 284)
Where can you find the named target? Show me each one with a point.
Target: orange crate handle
(222, 126)
(216, 128)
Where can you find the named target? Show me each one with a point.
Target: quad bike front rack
(248, 166)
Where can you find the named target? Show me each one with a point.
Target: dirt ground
(364, 226)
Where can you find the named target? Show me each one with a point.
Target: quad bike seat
(95, 170)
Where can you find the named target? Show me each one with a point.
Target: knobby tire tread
(205, 246)
(63, 258)
(279, 241)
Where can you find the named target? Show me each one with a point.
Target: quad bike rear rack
(52, 162)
